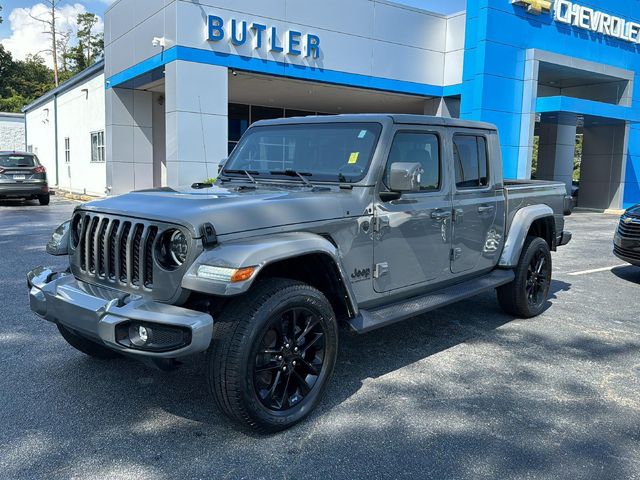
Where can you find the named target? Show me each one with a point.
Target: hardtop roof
(399, 119)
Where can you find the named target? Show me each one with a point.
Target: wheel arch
(536, 220)
(303, 256)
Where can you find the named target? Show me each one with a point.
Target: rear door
(475, 204)
(412, 234)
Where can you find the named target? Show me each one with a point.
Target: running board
(368, 320)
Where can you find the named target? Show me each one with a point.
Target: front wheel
(272, 355)
(527, 295)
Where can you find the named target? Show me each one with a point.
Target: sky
(22, 35)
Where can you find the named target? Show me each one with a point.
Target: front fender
(259, 252)
(522, 221)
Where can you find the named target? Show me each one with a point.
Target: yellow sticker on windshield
(354, 158)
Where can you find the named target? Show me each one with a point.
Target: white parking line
(595, 270)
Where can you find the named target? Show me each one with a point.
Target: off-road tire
(237, 336)
(514, 298)
(87, 346)
(44, 199)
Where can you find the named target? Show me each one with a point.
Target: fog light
(152, 337)
(139, 335)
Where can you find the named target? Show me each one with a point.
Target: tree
(50, 26)
(0, 15)
(21, 82)
(90, 45)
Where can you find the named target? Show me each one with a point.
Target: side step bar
(368, 320)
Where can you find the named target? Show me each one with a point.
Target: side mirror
(221, 165)
(405, 177)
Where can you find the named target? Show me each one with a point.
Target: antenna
(204, 143)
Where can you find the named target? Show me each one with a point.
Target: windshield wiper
(248, 173)
(289, 172)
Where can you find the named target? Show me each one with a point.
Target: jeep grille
(117, 251)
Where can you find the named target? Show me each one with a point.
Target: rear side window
(471, 162)
(422, 148)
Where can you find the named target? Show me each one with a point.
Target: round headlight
(179, 247)
(173, 249)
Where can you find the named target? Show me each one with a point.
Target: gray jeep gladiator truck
(363, 220)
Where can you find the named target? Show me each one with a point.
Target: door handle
(440, 215)
(486, 209)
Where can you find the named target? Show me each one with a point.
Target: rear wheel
(86, 346)
(272, 355)
(527, 295)
(44, 199)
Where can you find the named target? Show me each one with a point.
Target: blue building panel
(499, 34)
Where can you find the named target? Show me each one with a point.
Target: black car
(626, 243)
(22, 176)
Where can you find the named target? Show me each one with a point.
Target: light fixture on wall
(234, 73)
(159, 42)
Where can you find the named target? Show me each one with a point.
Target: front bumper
(627, 250)
(23, 189)
(95, 312)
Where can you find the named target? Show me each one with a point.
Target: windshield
(17, 160)
(333, 152)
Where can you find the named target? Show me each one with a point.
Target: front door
(412, 236)
(475, 205)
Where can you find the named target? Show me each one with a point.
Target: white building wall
(454, 55)
(41, 136)
(11, 131)
(80, 111)
(355, 36)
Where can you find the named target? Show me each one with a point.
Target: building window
(67, 150)
(97, 147)
(471, 162)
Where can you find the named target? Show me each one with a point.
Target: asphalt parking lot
(464, 392)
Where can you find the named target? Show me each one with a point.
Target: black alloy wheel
(537, 279)
(289, 359)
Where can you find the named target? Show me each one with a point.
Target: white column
(129, 142)
(196, 121)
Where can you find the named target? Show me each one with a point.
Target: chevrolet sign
(576, 15)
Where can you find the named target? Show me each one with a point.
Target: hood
(635, 210)
(230, 209)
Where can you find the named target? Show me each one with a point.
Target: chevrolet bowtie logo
(534, 6)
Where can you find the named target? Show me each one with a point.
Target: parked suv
(626, 242)
(364, 220)
(22, 176)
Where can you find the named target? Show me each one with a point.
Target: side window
(422, 148)
(471, 163)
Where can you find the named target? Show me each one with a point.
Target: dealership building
(182, 80)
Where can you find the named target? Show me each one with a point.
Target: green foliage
(23, 81)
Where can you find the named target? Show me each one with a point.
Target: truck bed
(522, 193)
